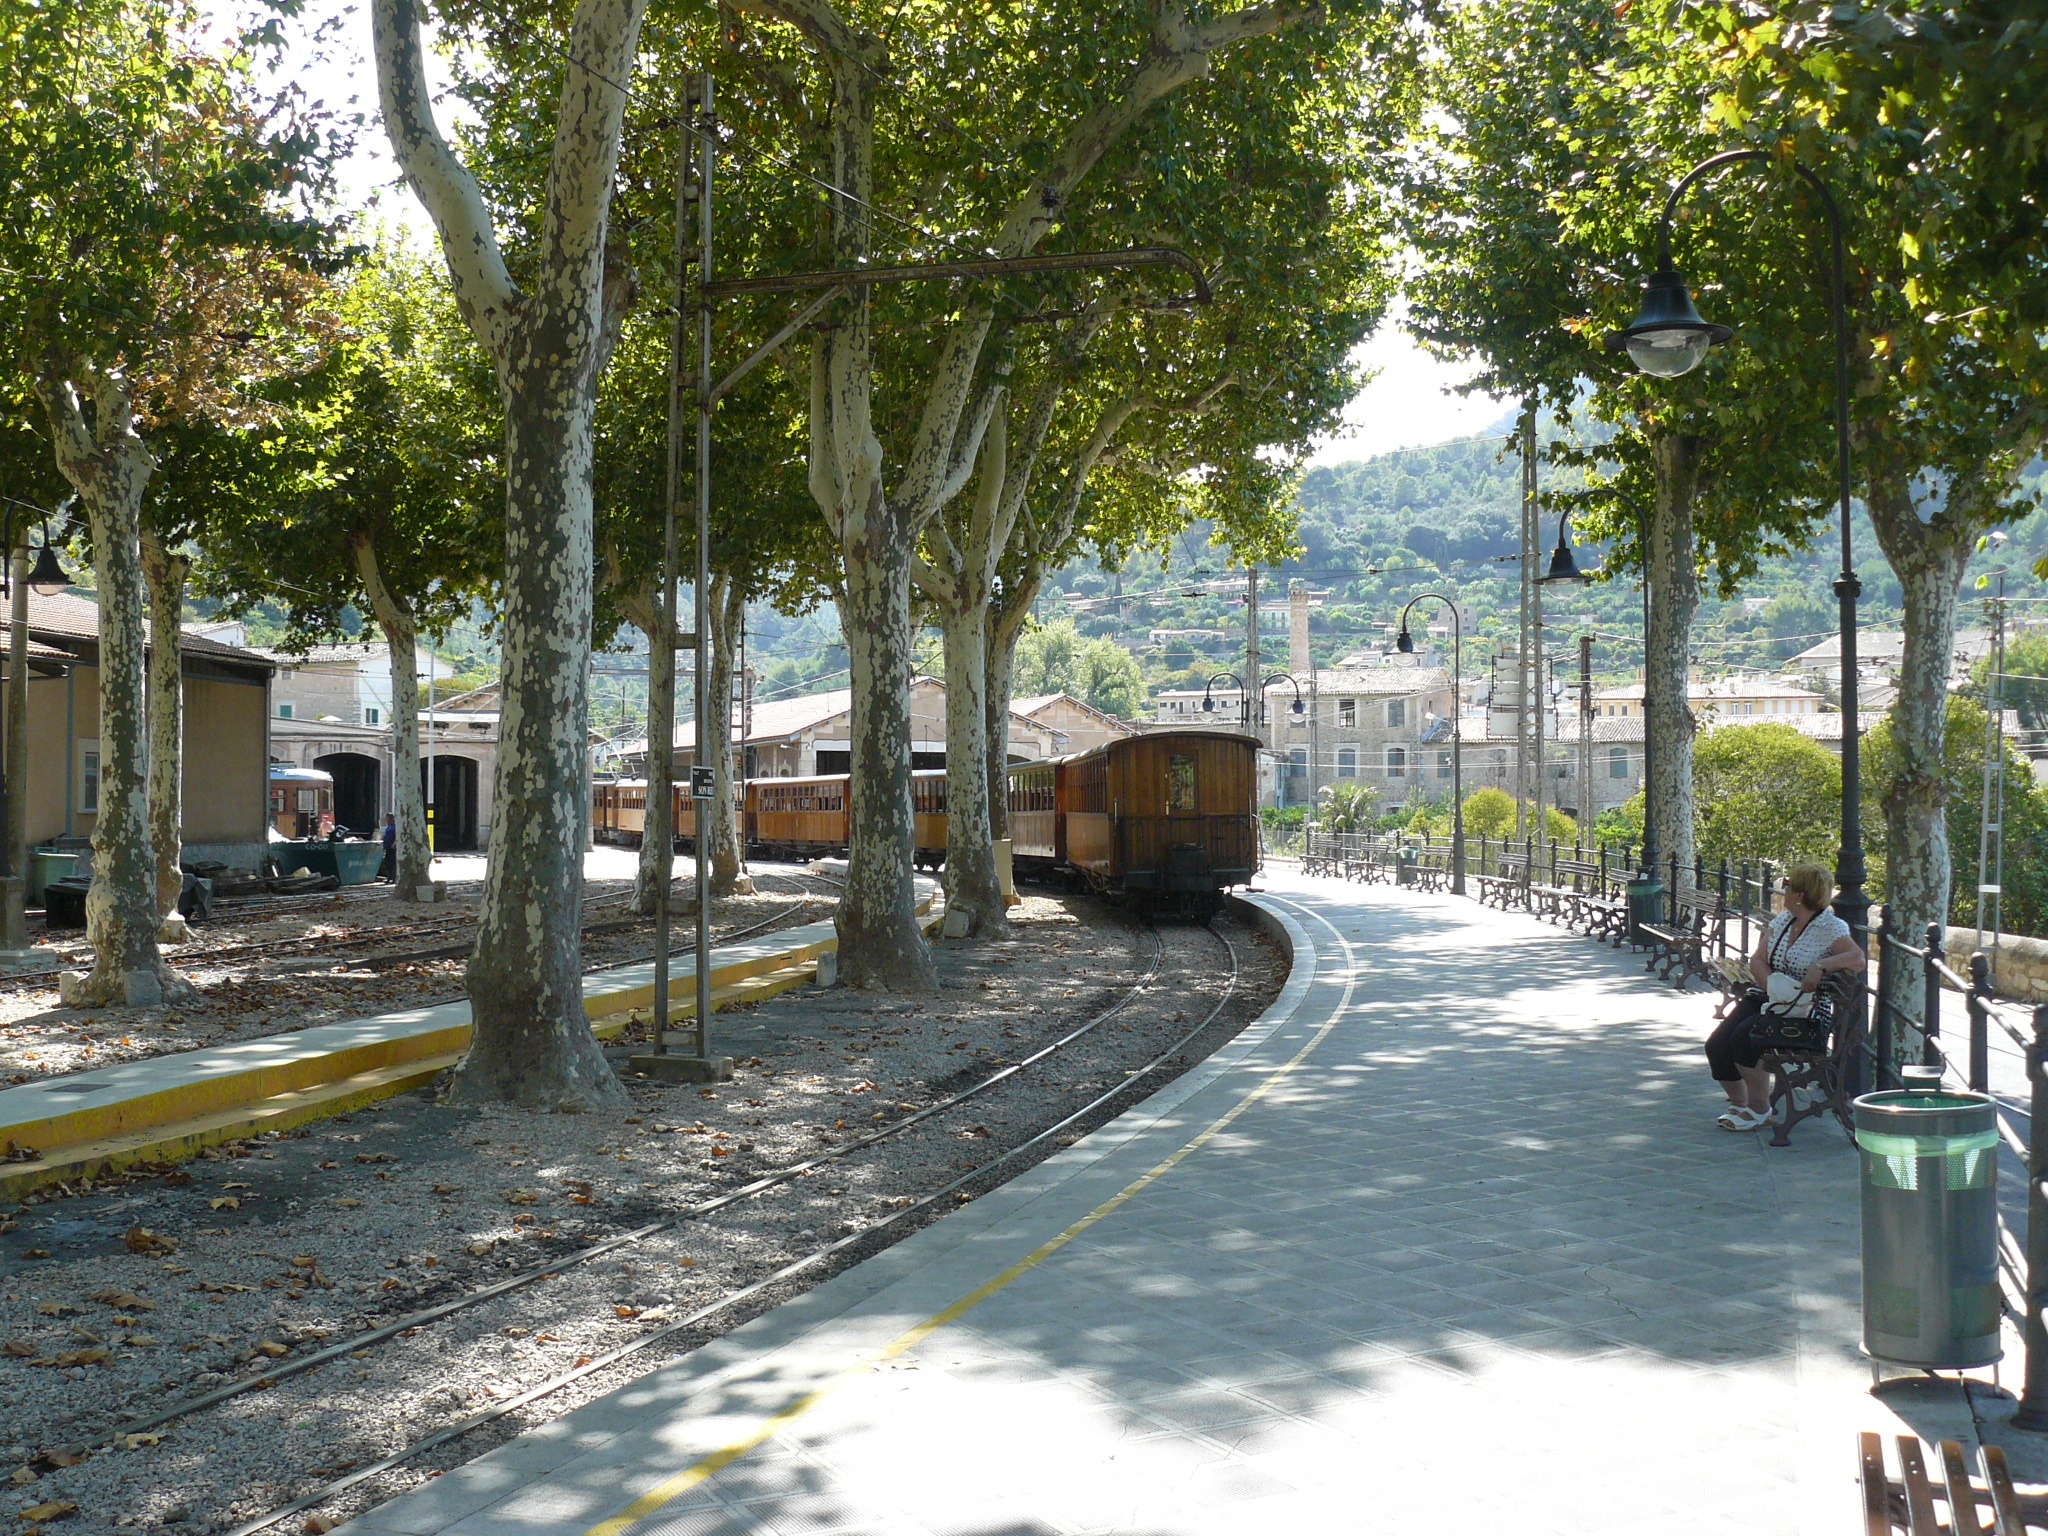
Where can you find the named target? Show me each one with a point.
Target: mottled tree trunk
(655, 873)
(1929, 556)
(880, 943)
(109, 465)
(532, 1043)
(413, 860)
(972, 883)
(1005, 624)
(1674, 599)
(728, 607)
(165, 572)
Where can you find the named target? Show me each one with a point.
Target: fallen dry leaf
(35, 1253)
(17, 1349)
(141, 1341)
(272, 1348)
(54, 1308)
(21, 1477)
(303, 1261)
(348, 1202)
(478, 1250)
(142, 1240)
(137, 1442)
(318, 1525)
(521, 1197)
(225, 1203)
(98, 1355)
(56, 1509)
(65, 1458)
(127, 1301)
(627, 1311)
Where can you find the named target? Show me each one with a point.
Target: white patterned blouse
(1793, 955)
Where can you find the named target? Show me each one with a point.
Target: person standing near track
(387, 872)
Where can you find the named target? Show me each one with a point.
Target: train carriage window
(1180, 783)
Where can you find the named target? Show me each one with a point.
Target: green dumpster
(350, 863)
(46, 867)
(1930, 1226)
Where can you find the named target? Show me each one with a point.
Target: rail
(1894, 1021)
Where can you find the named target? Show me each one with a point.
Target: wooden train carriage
(1169, 815)
(796, 818)
(928, 818)
(299, 798)
(618, 812)
(1035, 842)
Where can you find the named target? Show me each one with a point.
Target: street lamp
(47, 578)
(1297, 708)
(1645, 893)
(1405, 644)
(1563, 568)
(1244, 708)
(1668, 338)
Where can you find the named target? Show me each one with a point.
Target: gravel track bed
(370, 1217)
(298, 985)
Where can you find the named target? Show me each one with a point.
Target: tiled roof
(78, 618)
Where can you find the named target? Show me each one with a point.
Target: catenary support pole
(2033, 1409)
(700, 761)
(659, 819)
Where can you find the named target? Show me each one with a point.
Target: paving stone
(1478, 1262)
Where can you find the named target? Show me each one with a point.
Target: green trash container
(46, 867)
(1404, 866)
(1930, 1225)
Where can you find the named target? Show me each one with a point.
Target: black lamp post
(46, 577)
(1405, 644)
(1669, 338)
(1245, 705)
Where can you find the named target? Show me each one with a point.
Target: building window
(1297, 763)
(284, 711)
(1397, 714)
(1180, 784)
(373, 716)
(1617, 762)
(89, 777)
(1347, 712)
(1397, 762)
(1443, 765)
(1347, 762)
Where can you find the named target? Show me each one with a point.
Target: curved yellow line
(699, 1471)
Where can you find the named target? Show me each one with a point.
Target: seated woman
(1806, 943)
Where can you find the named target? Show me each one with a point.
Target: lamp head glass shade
(46, 576)
(1208, 704)
(1299, 707)
(1405, 642)
(1562, 566)
(1667, 337)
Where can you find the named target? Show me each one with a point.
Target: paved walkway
(1447, 1243)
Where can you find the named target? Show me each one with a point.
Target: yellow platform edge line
(183, 1128)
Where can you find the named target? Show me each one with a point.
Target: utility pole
(696, 151)
(1589, 800)
(1529, 655)
(1991, 803)
(1254, 694)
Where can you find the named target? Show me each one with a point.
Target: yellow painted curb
(175, 1122)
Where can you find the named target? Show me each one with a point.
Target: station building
(226, 750)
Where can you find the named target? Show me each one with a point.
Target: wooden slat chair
(1907, 1506)
(1509, 888)
(1587, 906)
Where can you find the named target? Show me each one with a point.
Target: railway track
(324, 943)
(730, 1308)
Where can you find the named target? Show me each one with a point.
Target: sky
(1409, 403)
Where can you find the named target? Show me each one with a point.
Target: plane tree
(1926, 127)
(161, 240)
(384, 502)
(1532, 208)
(1273, 188)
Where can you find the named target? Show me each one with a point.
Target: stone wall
(2021, 972)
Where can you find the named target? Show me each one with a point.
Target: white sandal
(1742, 1118)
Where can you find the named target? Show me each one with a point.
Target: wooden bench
(1907, 1505)
(1509, 888)
(1584, 903)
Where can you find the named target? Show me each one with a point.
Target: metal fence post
(1980, 1022)
(2033, 1409)
(1930, 1005)
(1881, 1002)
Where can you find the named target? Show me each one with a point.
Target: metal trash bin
(1404, 866)
(1645, 905)
(1930, 1225)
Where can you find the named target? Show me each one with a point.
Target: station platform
(167, 1107)
(1446, 1241)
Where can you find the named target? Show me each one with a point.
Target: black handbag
(1777, 1028)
